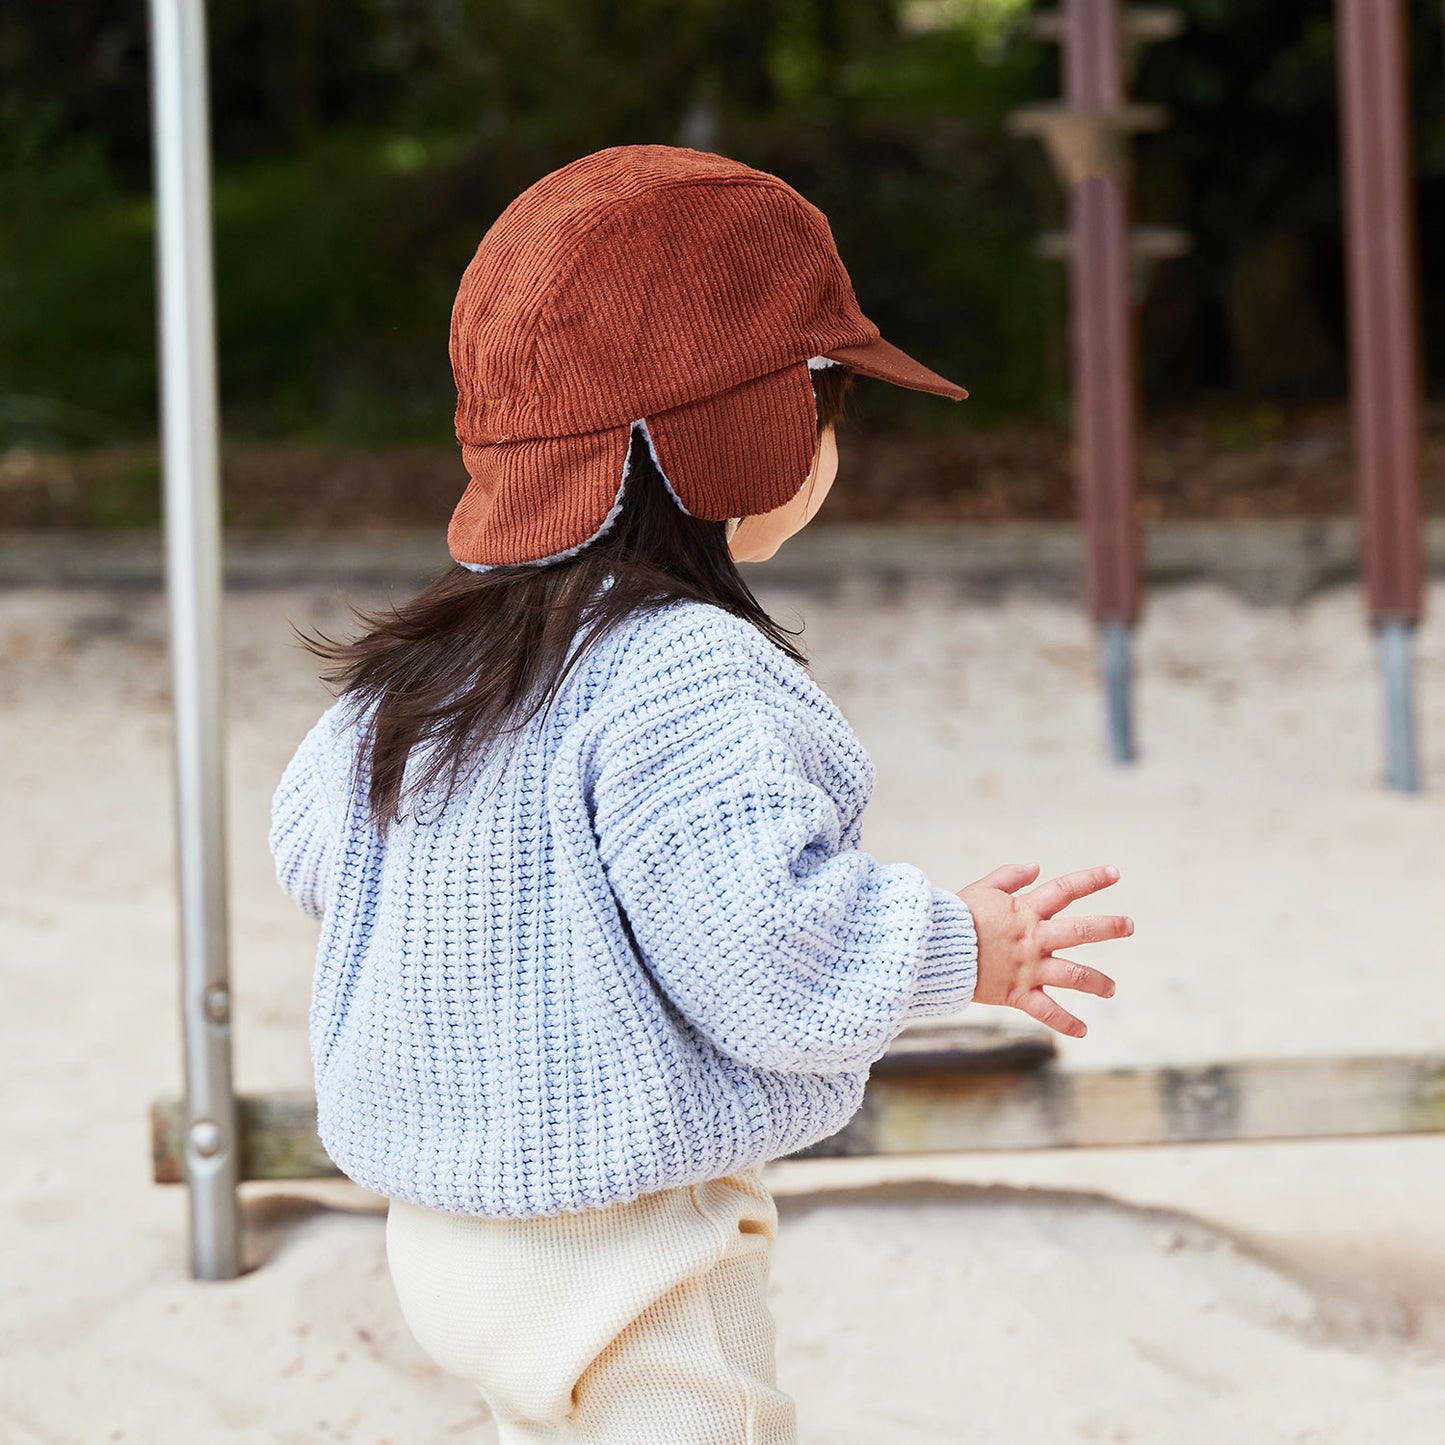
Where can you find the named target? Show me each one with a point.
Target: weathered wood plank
(1141, 24)
(958, 1108)
(277, 1134)
(1056, 1108)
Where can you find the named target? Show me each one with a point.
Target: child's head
(652, 348)
(656, 290)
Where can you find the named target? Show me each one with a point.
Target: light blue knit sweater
(645, 951)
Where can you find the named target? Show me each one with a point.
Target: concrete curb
(1274, 561)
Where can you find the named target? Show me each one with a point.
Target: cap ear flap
(743, 451)
(537, 500)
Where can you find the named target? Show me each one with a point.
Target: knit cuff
(948, 968)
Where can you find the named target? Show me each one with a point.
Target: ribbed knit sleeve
(303, 838)
(728, 800)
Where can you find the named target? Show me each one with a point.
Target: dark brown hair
(474, 656)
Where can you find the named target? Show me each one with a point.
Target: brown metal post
(1086, 137)
(1385, 352)
(1105, 368)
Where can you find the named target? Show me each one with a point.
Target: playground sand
(1287, 904)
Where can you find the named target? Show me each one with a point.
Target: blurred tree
(1250, 165)
(363, 146)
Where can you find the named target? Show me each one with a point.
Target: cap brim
(885, 362)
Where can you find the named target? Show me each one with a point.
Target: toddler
(597, 937)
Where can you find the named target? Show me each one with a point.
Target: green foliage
(933, 213)
(307, 288)
(76, 307)
(362, 148)
(339, 241)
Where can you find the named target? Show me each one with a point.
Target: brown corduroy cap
(656, 287)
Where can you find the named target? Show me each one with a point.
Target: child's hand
(1017, 935)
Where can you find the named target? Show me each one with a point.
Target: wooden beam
(1063, 1108)
(1083, 140)
(962, 1109)
(277, 1135)
(1146, 243)
(1143, 25)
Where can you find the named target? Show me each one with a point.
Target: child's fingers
(1009, 876)
(1066, 973)
(1037, 1004)
(1057, 933)
(1058, 893)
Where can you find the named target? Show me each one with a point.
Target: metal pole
(1118, 683)
(1395, 639)
(186, 322)
(1385, 354)
(1105, 366)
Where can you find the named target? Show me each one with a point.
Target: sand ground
(1287, 903)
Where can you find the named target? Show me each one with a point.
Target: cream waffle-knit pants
(645, 1323)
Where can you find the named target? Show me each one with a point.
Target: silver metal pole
(186, 323)
(1114, 643)
(1396, 636)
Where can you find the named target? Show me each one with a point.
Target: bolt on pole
(1386, 380)
(186, 323)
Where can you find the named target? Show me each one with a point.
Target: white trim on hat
(657, 462)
